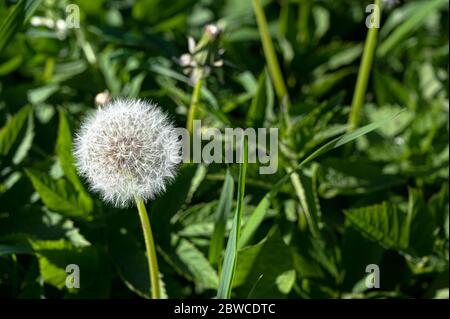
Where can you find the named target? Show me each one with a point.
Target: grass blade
(415, 21)
(223, 209)
(17, 16)
(269, 51)
(255, 220)
(12, 131)
(229, 262)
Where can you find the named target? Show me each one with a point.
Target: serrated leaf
(51, 255)
(198, 265)
(382, 223)
(353, 177)
(59, 196)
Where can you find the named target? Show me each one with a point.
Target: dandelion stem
(269, 51)
(150, 246)
(364, 72)
(194, 103)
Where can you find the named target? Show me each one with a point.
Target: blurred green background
(380, 200)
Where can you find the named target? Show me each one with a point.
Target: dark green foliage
(378, 195)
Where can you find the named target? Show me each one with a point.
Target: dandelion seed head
(127, 148)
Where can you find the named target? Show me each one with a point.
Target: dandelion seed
(127, 149)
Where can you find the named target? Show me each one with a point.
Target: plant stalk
(150, 247)
(269, 51)
(364, 73)
(194, 104)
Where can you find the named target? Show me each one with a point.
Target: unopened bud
(103, 98)
(212, 30)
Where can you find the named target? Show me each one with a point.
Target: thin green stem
(194, 104)
(150, 247)
(269, 51)
(364, 71)
(303, 22)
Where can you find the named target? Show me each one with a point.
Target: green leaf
(326, 82)
(59, 196)
(311, 200)
(439, 208)
(130, 261)
(271, 259)
(257, 111)
(132, 89)
(258, 215)
(36, 222)
(109, 68)
(412, 233)
(163, 208)
(337, 142)
(22, 149)
(442, 294)
(231, 252)
(196, 263)
(14, 249)
(64, 152)
(382, 223)
(41, 94)
(353, 177)
(423, 224)
(315, 257)
(414, 21)
(368, 252)
(11, 65)
(51, 256)
(254, 221)
(388, 90)
(55, 256)
(222, 212)
(11, 131)
(16, 17)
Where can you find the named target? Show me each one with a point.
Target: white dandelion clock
(127, 148)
